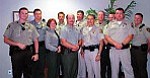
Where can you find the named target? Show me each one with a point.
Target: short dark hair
(50, 20)
(23, 8)
(121, 9)
(111, 13)
(139, 14)
(91, 15)
(61, 13)
(36, 10)
(102, 12)
(80, 11)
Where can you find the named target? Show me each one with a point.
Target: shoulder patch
(148, 29)
(8, 27)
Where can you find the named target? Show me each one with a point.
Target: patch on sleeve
(8, 27)
(148, 29)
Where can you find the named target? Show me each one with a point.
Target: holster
(125, 46)
(66, 50)
(144, 47)
(91, 47)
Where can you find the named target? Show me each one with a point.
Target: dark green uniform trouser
(139, 62)
(52, 64)
(69, 63)
(38, 66)
(21, 62)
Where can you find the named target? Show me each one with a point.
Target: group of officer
(87, 47)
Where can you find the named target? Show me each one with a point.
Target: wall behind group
(50, 9)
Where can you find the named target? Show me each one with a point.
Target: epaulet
(8, 26)
(11, 24)
(132, 25)
(148, 29)
(141, 26)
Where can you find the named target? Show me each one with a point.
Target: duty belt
(90, 47)
(67, 50)
(143, 47)
(123, 47)
(16, 49)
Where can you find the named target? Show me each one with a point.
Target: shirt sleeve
(100, 34)
(8, 31)
(106, 30)
(63, 33)
(147, 32)
(80, 35)
(131, 30)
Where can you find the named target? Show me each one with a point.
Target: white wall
(50, 9)
(143, 6)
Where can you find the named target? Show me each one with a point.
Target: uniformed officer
(119, 34)
(111, 16)
(101, 22)
(80, 23)
(61, 22)
(52, 43)
(92, 47)
(59, 27)
(105, 62)
(140, 46)
(20, 36)
(40, 25)
(70, 41)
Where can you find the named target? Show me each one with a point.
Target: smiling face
(52, 25)
(137, 20)
(101, 16)
(80, 16)
(23, 15)
(70, 19)
(111, 17)
(90, 20)
(61, 18)
(119, 15)
(38, 15)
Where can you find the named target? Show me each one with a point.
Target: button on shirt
(59, 27)
(91, 36)
(15, 32)
(141, 35)
(71, 34)
(41, 28)
(80, 24)
(101, 25)
(51, 40)
(119, 32)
